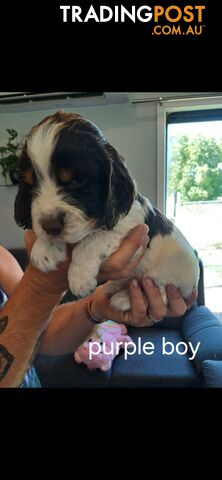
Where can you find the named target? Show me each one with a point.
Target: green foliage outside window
(196, 168)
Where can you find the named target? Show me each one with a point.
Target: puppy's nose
(53, 225)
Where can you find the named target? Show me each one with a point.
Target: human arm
(25, 316)
(10, 272)
(28, 311)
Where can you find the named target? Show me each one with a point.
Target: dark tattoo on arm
(3, 324)
(6, 360)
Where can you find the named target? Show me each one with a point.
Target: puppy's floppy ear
(22, 206)
(23, 200)
(121, 189)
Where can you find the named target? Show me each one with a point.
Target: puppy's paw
(121, 300)
(80, 283)
(46, 257)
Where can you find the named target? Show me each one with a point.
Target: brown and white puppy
(75, 188)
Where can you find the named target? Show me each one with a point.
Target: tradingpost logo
(162, 20)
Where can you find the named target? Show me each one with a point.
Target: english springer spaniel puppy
(76, 189)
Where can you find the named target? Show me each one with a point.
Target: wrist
(35, 300)
(92, 316)
(41, 283)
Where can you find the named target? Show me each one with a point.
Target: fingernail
(148, 282)
(135, 283)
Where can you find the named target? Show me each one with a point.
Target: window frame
(163, 109)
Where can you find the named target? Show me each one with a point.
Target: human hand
(51, 282)
(156, 308)
(122, 262)
(146, 300)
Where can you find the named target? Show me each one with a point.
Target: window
(193, 188)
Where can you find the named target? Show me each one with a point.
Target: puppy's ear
(22, 206)
(23, 200)
(121, 189)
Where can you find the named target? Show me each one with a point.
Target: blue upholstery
(141, 370)
(200, 325)
(147, 371)
(156, 370)
(212, 371)
(138, 370)
(64, 372)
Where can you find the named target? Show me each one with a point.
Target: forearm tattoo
(3, 324)
(6, 358)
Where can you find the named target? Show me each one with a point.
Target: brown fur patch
(27, 176)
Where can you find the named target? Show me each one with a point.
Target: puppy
(75, 188)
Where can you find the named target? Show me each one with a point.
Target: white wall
(130, 128)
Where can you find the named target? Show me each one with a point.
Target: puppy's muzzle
(53, 225)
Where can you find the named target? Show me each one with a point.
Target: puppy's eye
(65, 175)
(28, 176)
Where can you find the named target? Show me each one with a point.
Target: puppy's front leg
(84, 268)
(46, 255)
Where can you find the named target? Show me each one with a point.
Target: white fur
(49, 201)
(46, 255)
(168, 260)
(95, 248)
(41, 145)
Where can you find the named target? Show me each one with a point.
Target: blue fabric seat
(156, 370)
(147, 371)
(200, 325)
(212, 370)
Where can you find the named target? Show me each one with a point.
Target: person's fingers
(122, 262)
(138, 304)
(101, 308)
(176, 303)
(191, 299)
(126, 272)
(127, 248)
(156, 308)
